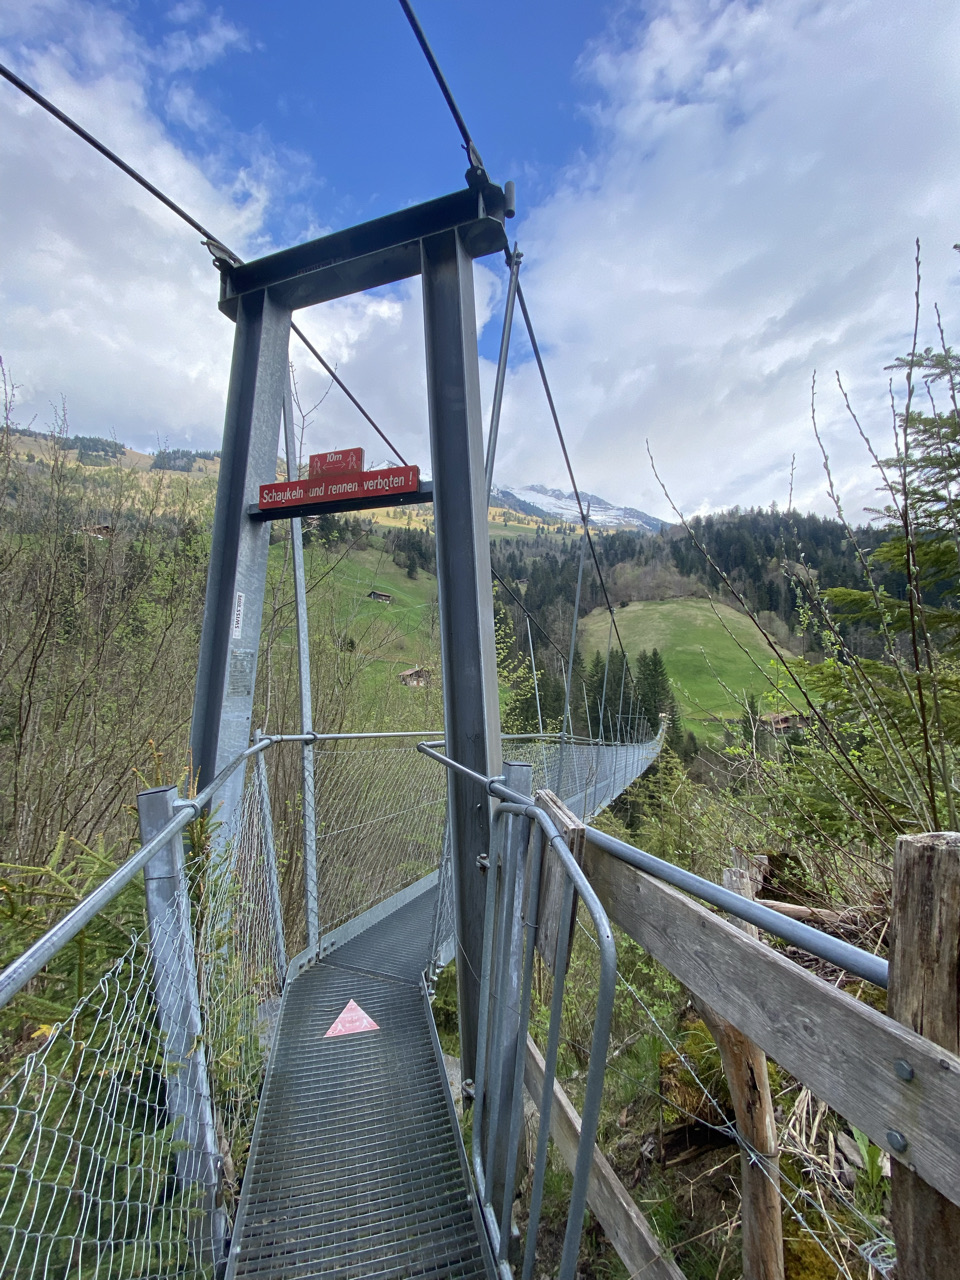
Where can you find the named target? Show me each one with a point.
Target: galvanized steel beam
(470, 694)
(223, 703)
(371, 254)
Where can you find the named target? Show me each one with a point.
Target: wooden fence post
(924, 994)
(745, 1066)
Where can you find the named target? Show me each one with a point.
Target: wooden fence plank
(844, 1051)
(626, 1228)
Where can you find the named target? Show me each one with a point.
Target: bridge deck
(355, 1168)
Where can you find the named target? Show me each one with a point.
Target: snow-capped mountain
(538, 500)
(554, 504)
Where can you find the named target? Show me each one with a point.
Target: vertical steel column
(311, 890)
(470, 694)
(189, 1102)
(227, 669)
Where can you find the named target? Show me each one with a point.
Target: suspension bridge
(256, 1086)
(298, 1047)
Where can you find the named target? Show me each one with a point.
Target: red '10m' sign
(336, 488)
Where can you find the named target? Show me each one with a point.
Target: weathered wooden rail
(894, 1076)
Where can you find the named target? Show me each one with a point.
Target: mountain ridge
(538, 500)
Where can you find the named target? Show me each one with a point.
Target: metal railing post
(568, 674)
(506, 1042)
(189, 1100)
(272, 874)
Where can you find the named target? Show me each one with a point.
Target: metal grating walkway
(355, 1169)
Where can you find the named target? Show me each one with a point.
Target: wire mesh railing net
(99, 1173)
(240, 972)
(586, 777)
(381, 810)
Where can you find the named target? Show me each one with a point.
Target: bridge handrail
(834, 950)
(522, 806)
(19, 972)
(864, 964)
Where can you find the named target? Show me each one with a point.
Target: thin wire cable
(520, 603)
(469, 146)
(566, 457)
(213, 242)
(346, 391)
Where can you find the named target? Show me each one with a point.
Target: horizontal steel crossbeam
(374, 253)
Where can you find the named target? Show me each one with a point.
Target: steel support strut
(189, 1101)
(470, 696)
(223, 703)
(311, 892)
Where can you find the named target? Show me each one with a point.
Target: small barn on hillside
(415, 677)
(785, 721)
(381, 596)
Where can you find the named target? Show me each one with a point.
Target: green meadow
(705, 646)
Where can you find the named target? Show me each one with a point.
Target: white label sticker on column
(240, 673)
(238, 616)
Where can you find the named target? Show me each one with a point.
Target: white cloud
(746, 215)
(749, 215)
(186, 51)
(105, 296)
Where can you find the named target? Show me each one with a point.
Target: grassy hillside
(697, 647)
(502, 523)
(360, 646)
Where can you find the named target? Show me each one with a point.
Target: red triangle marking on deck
(352, 1020)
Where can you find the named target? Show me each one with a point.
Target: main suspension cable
(211, 241)
(215, 243)
(475, 160)
(473, 154)
(112, 156)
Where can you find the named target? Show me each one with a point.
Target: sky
(717, 199)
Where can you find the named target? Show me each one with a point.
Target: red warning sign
(325, 464)
(352, 1020)
(345, 484)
